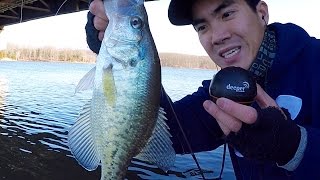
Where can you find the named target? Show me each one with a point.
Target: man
(265, 140)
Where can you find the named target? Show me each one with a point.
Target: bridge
(16, 11)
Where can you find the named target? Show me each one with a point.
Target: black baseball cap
(179, 12)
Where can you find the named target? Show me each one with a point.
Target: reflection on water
(38, 106)
(3, 93)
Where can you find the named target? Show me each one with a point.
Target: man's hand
(100, 20)
(267, 134)
(230, 115)
(96, 25)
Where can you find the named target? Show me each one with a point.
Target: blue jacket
(296, 72)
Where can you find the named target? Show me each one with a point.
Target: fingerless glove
(273, 137)
(92, 34)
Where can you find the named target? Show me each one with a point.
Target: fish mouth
(125, 54)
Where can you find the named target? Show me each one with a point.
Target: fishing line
(223, 159)
(60, 7)
(21, 10)
(185, 137)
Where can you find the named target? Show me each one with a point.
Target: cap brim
(179, 12)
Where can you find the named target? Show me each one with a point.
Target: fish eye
(136, 22)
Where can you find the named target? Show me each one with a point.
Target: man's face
(229, 30)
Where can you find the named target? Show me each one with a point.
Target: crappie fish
(124, 118)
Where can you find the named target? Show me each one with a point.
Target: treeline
(69, 55)
(187, 61)
(47, 54)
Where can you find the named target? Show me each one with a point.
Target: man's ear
(263, 13)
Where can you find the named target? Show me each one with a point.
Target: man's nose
(220, 35)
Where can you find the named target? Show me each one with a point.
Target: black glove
(273, 137)
(92, 34)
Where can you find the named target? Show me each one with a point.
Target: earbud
(264, 20)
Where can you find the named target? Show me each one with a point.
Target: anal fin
(81, 142)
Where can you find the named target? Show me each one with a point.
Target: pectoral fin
(109, 87)
(159, 150)
(81, 143)
(87, 81)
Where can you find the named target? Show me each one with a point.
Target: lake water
(38, 106)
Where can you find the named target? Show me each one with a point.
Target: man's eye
(200, 28)
(227, 14)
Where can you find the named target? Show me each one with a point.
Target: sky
(67, 31)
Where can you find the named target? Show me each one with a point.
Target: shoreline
(81, 62)
(56, 61)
